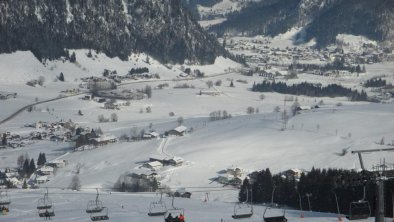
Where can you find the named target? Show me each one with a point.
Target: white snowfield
(125, 207)
(251, 142)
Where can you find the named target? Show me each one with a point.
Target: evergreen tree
(32, 167)
(39, 160)
(4, 140)
(25, 168)
(61, 77)
(73, 57)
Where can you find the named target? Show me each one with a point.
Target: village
(79, 139)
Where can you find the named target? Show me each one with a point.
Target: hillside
(321, 20)
(163, 29)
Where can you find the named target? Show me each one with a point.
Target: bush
(171, 114)
(250, 110)
(218, 83)
(114, 117)
(41, 80)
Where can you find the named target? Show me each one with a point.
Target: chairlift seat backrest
(102, 215)
(359, 210)
(242, 210)
(157, 209)
(274, 218)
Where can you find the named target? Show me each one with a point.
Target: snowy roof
(177, 159)
(142, 171)
(154, 164)
(58, 161)
(181, 129)
(105, 138)
(46, 169)
(155, 134)
(42, 178)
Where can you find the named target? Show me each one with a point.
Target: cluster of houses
(259, 54)
(44, 173)
(231, 176)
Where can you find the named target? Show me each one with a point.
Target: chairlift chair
(45, 206)
(158, 208)
(174, 211)
(5, 202)
(242, 210)
(102, 215)
(359, 210)
(94, 206)
(276, 218)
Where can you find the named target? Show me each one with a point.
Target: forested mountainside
(161, 28)
(321, 19)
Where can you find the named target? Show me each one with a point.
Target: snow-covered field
(251, 142)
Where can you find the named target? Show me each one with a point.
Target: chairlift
(243, 210)
(359, 210)
(158, 208)
(274, 218)
(94, 206)
(4, 202)
(173, 211)
(101, 215)
(45, 206)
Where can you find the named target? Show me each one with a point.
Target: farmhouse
(142, 173)
(175, 161)
(46, 170)
(58, 163)
(42, 179)
(103, 140)
(179, 131)
(154, 165)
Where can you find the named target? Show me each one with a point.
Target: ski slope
(71, 205)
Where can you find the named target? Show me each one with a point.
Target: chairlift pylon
(157, 208)
(243, 209)
(94, 206)
(45, 206)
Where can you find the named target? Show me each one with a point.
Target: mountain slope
(321, 19)
(162, 28)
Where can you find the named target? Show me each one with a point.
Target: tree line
(321, 185)
(379, 82)
(309, 89)
(337, 64)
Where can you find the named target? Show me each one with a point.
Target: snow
(71, 205)
(250, 142)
